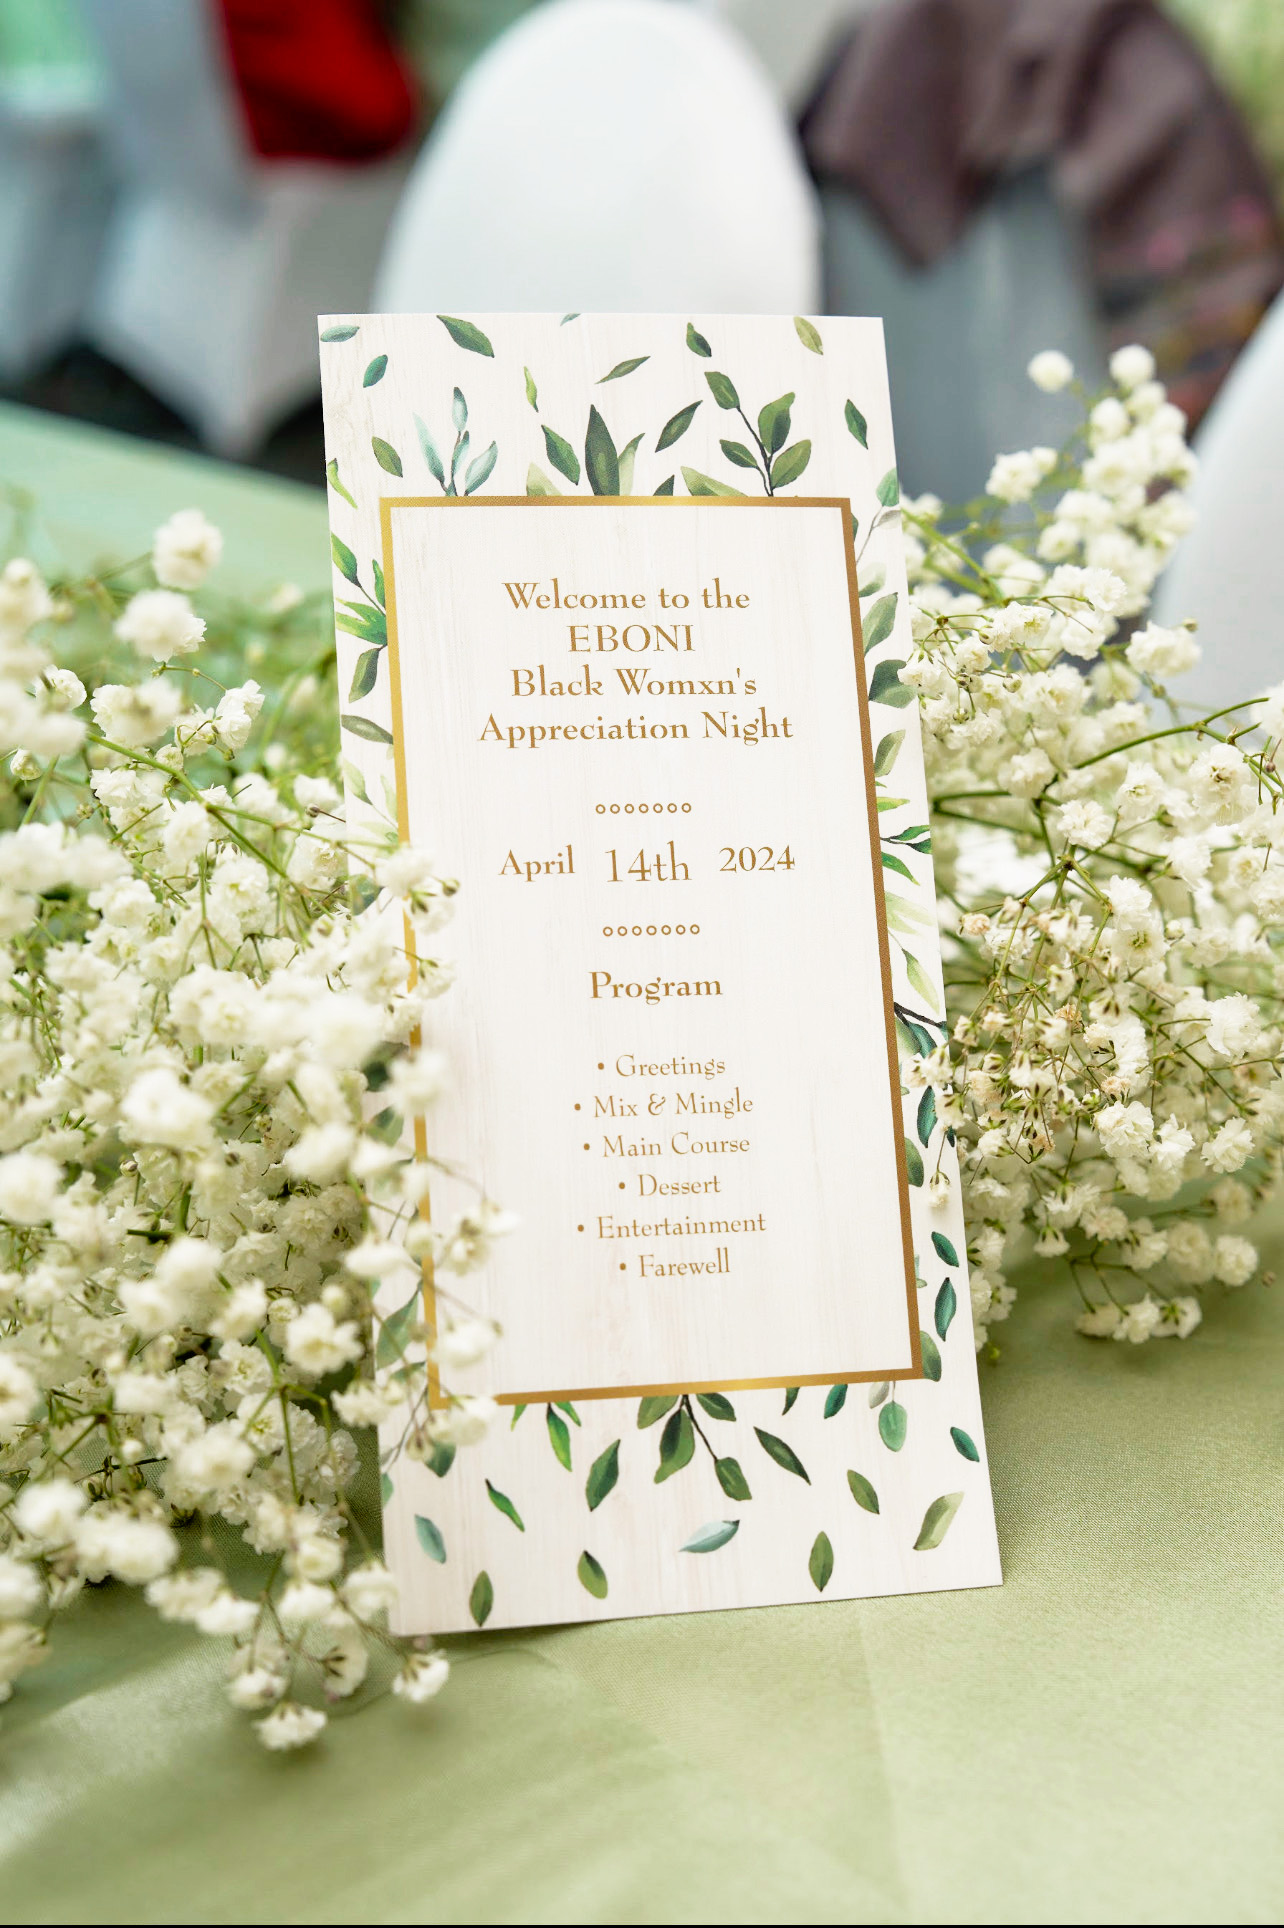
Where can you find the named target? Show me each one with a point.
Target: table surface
(1098, 1740)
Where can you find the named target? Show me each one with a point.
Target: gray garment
(960, 333)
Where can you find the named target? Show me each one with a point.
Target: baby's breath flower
(422, 1678)
(1234, 1260)
(1051, 371)
(159, 623)
(185, 549)
(289, 1725)
(256, 1688)
(1132, 366)
(192, 1191)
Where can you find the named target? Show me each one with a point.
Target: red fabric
(318, 79)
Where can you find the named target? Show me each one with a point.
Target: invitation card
(621, 610)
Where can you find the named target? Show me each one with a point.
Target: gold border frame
(842, 503)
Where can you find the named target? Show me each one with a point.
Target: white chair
(1226, 573)
(609, 155)
(54, 196)
(217, 264)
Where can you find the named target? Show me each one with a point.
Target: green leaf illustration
(505, 1506)
(931, 1356)
(359, 619)
(537, 483)
(429, 1538)
(573, 316)
(344, 560)
(820, 1563)
(937, 1521)
(789, 464)
(707, 1539)
(698, 484)
(479, 468)
(914, 1163)
(343, 331)
(965, 1443)
(364, 727)
(808, 336)
(886, 685)
(697, 343)
(891, 862)
(481, 1599)
(944, 1248)
(465, 334)
(889, 490)
(655, 1407)
(380, 595)
(835, 1400)
(877, 626)
(857, 424)
(601, 463)
(676, 427)
(716, 1404)
(429, 448)
(592, 1576)
(561, 454)
(375, 371)
(912, 1036)
(386, 455)
(517, 1413)
(886, 753)
(332, 477)
(878, 1393)
(666, 487)
(791, 1393)
(565, 1406)
(677, 1444)
(623, 368)
(946, 1307)
(627, 454)
(782, 1454)
(559, 1434)
(363, 680)
(459, 411)
(773, 423)
(603, 1474)
(731, 1479)
(395, 1330)
(385, 1488)
(925, 1123)
(532, 393)
(441, 1458)
(893, 1422)
(737, 452)
(920, 980)
(862, 1492)
(723, 389)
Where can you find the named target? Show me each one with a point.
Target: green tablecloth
(1100, 1740)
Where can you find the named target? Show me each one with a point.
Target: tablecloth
(1099, 1740)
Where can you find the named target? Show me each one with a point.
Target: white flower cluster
(1113, 883)
(209, 1061)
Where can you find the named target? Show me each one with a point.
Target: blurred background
(185, 184)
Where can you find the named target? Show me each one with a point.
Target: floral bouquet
(212, 994)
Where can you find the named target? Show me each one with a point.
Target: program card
(621, 609)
